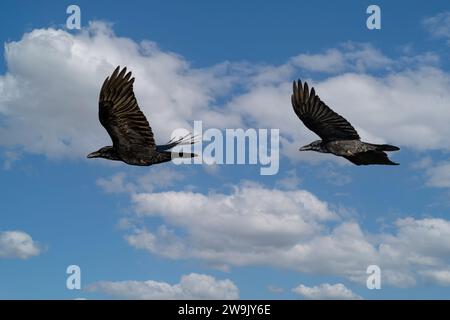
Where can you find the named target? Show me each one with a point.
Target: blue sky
(226, 227)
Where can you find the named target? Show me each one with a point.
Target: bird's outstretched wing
(318, 117)
(370, 157)
(119, 113)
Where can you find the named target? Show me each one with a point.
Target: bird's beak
(95, 154)
(305, 148)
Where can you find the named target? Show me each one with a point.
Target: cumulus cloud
(332, 176)
(254, 225)
(422, 163)
(250, 220)
(440, 277)
(10, 157)
(48, 96)
(351, 57)
(290, 182)
(394, 102)
(116, 184)
(326, 291)
(48, 105)
(122, 182)
(439, 25)
(18, 244)
(275, 289)
(192, 286)
(435, 173)
(438, 175)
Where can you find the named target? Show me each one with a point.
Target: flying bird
(130, 132)
(337, 134)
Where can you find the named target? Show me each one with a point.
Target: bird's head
(313, 146)
(105, 152)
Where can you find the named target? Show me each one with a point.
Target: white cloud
(439, 25)
(438, 175)
(159, 178)
(49, 96)
(331, 61)
(394, 102)
(351, 57)
(116, 184)
(290, 182)
(254, 225)
(435, 173)
(333, 176)
(18, 244)
(192, 286)
(326, 291)
(422, 163)
(49, 106)
(440, 277)
(418, 246)
(154, 179)
(251, 217)
(10, 158)
(275, 289)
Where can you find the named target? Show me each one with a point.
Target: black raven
(131, 135)
(337, 134)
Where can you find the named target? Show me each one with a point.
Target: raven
(130, 132)
(337, 134)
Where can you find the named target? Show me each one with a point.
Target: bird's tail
(182, 155)
(385, 147)
(166, 156)
(187, 139)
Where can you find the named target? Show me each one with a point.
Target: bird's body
(338, 135)
(130, 132)
(347, 147)
(357, 151)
